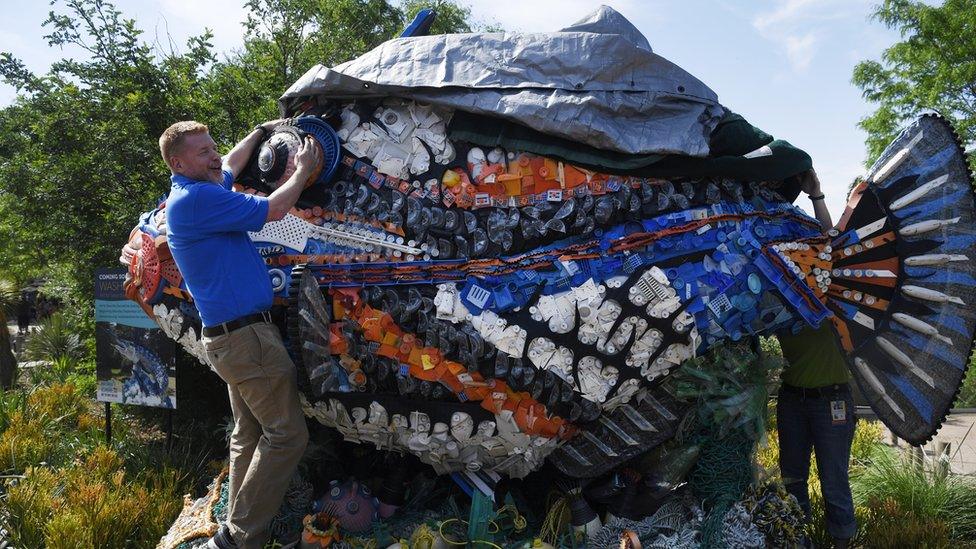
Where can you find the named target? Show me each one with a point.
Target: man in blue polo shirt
(207, 225)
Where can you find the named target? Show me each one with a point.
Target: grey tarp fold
(598, 88)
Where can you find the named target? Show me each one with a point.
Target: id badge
(838, 411)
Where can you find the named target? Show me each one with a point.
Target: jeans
(806, 423)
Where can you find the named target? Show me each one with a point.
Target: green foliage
(93, 502)
(895, 504)
(80, 144)
(56, 341)
(9, 296)
(924, 498)
(45, 426)
(82, 376)
(887, 523)
(967, 392)
(450, 16)
(8, 363)
(81, 141)
(933, 66)
(287, 37)
(74, 487)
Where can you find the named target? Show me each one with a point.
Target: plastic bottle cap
(755, 283)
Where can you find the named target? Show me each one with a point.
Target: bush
(46, 425)
(91, 503)
(967, 393)
(82, 376)
(922, 497)
(55, 341)
(888, 524)
(772, 351)
(67, 489)
(9, 296)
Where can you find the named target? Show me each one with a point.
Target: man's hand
(810, 183)
(308, 161)
(131, 247)
(236, 160)
(270, 125)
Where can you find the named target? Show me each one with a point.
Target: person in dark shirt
(23, 315)
(815, 411)
(207, 224)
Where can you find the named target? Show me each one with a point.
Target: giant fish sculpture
(502, 267)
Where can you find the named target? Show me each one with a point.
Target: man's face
(197, 158)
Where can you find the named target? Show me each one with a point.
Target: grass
(942, 503)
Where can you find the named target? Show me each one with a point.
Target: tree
(933, 66)
(79, 157)
(285, 38)
(9, 296)
(450, 18)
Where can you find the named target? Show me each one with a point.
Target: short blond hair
(172, 138)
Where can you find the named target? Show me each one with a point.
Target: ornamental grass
(925, 501)
(44, 425)
(93, 502)
(63, 487)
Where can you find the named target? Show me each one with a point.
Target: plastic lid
(755, 283)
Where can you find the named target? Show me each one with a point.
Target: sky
(785, 65)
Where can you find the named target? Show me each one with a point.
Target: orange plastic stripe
(835, 291)
(890, 264)
(428, 364)
(842, 331)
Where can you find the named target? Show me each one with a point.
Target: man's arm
(810, 184)
(236, 159)
(282, 200)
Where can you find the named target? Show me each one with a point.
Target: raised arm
(810, 184)
(236, 160)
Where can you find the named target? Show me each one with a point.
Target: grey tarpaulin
(599, 87)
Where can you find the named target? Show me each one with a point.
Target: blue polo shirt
(208, 226)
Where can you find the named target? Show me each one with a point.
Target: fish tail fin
(902, 287)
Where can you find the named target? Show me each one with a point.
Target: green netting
(720, 478)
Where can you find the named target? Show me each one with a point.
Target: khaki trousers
(269, 435)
